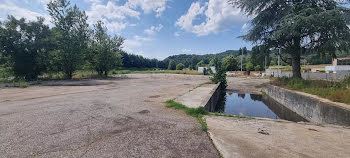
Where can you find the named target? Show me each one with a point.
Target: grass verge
(335, 91)
(194, 112)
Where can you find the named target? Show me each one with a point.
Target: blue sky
(155, 28)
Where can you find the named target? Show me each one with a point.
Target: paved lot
(240, 138)
(101, 118)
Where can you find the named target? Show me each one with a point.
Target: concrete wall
(216, 96)
(310, 107)
(311, 76)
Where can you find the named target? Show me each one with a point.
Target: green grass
(194, 112)
(335, 91)
(228, 115)
(199, 113)
(129, 71)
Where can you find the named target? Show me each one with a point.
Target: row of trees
(31, 48)
(298, 26)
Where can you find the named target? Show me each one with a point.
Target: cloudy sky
(155, 28)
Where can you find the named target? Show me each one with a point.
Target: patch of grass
(335, 91)
(194, 112)
(228, 115)
(23, 84)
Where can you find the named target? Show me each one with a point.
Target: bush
(257, 68)
(180, 66)
(172, 65)
(335, 91)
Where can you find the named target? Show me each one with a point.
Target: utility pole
(279, 56)
(265, 62)
(242, 62)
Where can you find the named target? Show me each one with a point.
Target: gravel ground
(245, 84)
(101, 118)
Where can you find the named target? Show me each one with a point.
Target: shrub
(180, 66)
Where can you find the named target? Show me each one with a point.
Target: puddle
(253, 105)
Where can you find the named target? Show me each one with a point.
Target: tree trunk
(296, 63)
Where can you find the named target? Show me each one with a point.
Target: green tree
(257, 68)
(105, 50)
(220, 75)
(172, 65)
(295, 25)
(230, 63)
(200, 64)
(249, 66)
(24, 45)
(72, 34)
(260, 55)
(180, 66)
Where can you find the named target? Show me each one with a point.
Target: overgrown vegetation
(335, 91)
(220, 75)
(194, 112)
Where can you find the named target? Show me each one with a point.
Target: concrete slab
(197, 97)
(238, 137)
(102, 118)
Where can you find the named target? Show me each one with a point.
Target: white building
(201, 69)
(339, 65)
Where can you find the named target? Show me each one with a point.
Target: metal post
(242, 61)
(279, 56)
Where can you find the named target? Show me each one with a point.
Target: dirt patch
(245, 84)
(144, 112)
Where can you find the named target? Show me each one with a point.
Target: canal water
(253, 105)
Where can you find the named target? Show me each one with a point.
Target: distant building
(339, 64)
(201, 69)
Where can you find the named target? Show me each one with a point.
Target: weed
(335, 91)
(194, 112)
(228, 115)
(23, 84)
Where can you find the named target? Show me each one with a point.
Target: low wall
(312, 75)
(216, 96)
(312, 108)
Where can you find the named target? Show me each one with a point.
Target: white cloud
(137, 41)
(186, 50)
(220, 16)
(157, 6)
(348, 26)
(153, 29)
(112, 15)
(91, 1)
(12, 9)
(176, 34)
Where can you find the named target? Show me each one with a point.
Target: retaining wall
(310, 75)
(312, 108)
(216, 96)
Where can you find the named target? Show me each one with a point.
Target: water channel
(254, 105)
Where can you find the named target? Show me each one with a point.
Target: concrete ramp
(198, 97)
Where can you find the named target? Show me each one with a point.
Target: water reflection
(254, 106)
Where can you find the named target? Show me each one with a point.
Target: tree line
(31, 48)
(298, 26)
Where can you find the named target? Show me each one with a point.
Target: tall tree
(229, 63)
(172, 65)
(105, 50)
(24, 45)
(72, 34)
(295, 25)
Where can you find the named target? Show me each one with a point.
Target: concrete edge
(324, 100)
(311, 107)
(210, 95)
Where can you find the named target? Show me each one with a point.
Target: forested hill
(189, 59)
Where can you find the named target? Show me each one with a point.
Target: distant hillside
(193, 59)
